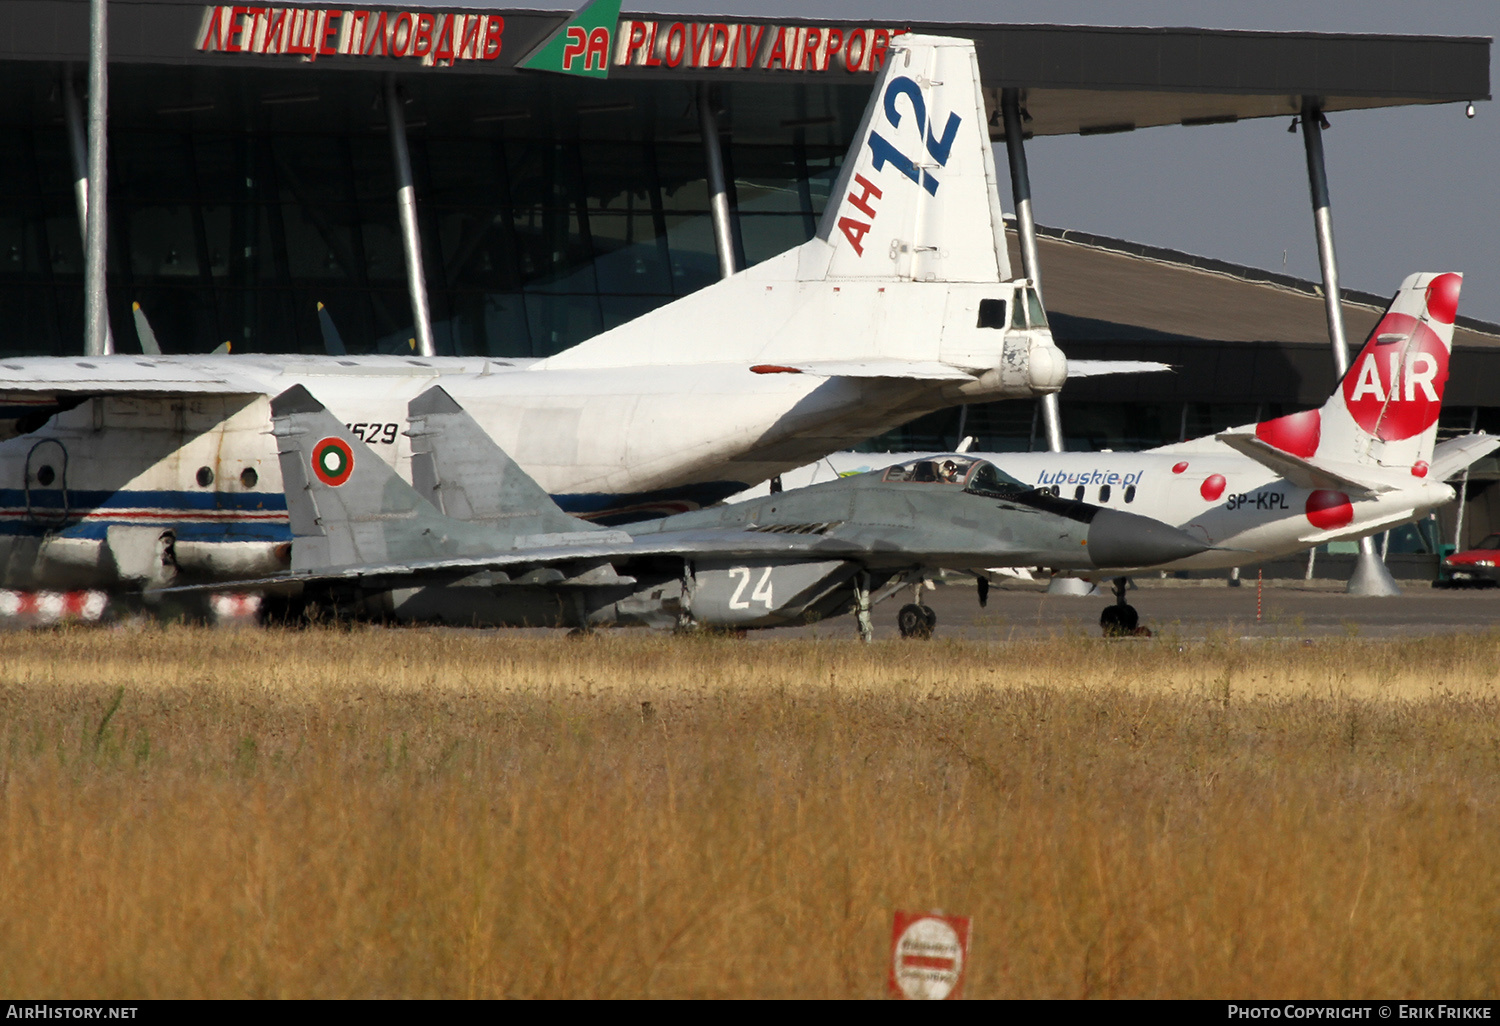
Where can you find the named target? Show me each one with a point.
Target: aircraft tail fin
(1382, 417)
(904, 268)
(346, 505)
(458, 468)
(917, 199)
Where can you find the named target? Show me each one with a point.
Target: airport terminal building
(255, 164)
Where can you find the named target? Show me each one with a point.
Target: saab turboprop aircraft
(135, 471)
(369, 544)
(1366, 461)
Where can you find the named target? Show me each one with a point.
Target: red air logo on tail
(1395, 388)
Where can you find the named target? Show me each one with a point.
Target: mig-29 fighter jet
(478, 542)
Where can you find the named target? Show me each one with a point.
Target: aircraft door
(47, 483)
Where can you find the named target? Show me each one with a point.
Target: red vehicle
(1479, 565)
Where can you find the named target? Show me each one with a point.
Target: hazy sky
(1413, 188)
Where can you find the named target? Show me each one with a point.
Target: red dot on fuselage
(1329, 510)
(1178, 468)
(1419, 468)
(1212, 487)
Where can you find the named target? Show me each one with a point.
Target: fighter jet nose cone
(1125, 540)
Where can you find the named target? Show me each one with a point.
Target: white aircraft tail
(1380, 424)
(907, 276)
(917, 199)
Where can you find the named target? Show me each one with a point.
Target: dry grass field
(369, 813)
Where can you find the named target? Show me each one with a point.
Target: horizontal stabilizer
(929, 370)
(1452, 457)
(1356, 480)
(1095, 368)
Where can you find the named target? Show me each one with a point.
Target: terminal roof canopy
(1075, 79)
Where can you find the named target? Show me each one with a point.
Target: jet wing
(531, 565)
(32, 391)
(122, 375)
(1451, 458)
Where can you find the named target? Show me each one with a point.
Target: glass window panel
(346, 318)
(483, 324)
(823, 171)
(393, 329)
(476, 249)
(618, 310)
(506, 330)
(385, 257)
(314, 170)
(558, 321)
(28, 326)
(182, 318)
(630, 257)
(372, 175)
(20, 248)
(64, 244)
(617, 176)
(683, 176)
(218, 225)
(163, 242)
(695, 258)
(16, 181)
(151, 167)
(319, 243)
(767, 235)
(556, 250)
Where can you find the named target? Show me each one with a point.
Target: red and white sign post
(929, 952)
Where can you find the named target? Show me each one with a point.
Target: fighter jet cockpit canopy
(980, 477)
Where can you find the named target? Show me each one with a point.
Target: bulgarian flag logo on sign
(333, 461)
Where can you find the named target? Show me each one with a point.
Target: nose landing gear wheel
(916, 621)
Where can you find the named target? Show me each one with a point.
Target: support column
(1031, 267)
(1371, 578)
(78, 148)
(96, 340)
(406, 202)
(718, 189)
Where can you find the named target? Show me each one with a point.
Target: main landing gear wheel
(1119, 621)
(916, 621)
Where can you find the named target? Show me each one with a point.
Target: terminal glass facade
(238, 205)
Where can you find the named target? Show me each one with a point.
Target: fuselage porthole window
(1104, 493)
(1130, 493)
(1078, 494)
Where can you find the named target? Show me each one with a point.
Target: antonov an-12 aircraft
(477, 542)
(1365, 462)
(135, 471)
